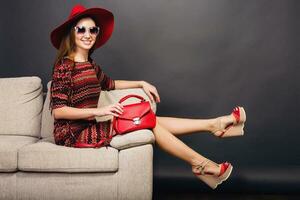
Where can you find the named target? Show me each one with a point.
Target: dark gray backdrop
(204, 57)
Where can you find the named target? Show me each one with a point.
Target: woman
(77, 82)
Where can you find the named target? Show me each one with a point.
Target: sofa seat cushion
(45, 156)
(9, 145)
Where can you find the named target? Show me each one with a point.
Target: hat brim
(103, 18)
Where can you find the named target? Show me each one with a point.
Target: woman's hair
(67, 44)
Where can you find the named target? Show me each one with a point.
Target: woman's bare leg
(171, 144)
(183, 126)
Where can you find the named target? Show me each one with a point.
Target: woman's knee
(158, 119)
(158, 123)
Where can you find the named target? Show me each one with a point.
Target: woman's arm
(72, 113)
(149, 89)
(122, 84)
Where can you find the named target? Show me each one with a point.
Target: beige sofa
(32, 166)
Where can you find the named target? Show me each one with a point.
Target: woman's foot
(206, 167)
(212, 173)
(220, 124)
(230, 125)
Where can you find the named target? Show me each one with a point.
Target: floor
(177, 189)
(194, 196)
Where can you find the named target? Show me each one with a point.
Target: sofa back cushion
(21, 104)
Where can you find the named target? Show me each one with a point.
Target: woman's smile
(87, 42)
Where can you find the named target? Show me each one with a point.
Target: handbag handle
(131, 95)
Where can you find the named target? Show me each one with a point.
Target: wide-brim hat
(103, 18)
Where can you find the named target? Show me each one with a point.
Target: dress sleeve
(60, 87)
(106, 82)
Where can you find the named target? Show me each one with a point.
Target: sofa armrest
(133, 139)
(135, 173)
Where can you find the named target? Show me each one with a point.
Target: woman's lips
(87, 42)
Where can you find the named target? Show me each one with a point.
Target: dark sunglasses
(82, 29)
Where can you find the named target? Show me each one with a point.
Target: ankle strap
(202, 166)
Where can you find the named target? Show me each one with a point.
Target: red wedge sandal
(214, 180)
(236, 128)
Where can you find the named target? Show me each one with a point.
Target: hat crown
(77, 9)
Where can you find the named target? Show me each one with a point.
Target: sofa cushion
(45, 156)
(9, 145)
(135, 138)
(21, 105)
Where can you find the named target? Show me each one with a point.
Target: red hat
(103, 18)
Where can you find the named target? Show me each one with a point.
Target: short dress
(78, 84)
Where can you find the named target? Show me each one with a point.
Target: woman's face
(85, 33)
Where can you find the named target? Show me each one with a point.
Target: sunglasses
(94, 30)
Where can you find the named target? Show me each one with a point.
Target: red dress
(78, 84)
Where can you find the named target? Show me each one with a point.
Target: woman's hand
(113, 109)
(151, 91)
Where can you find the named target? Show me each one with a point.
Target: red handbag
(135, 116)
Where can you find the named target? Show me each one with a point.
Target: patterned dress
(78, 85)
